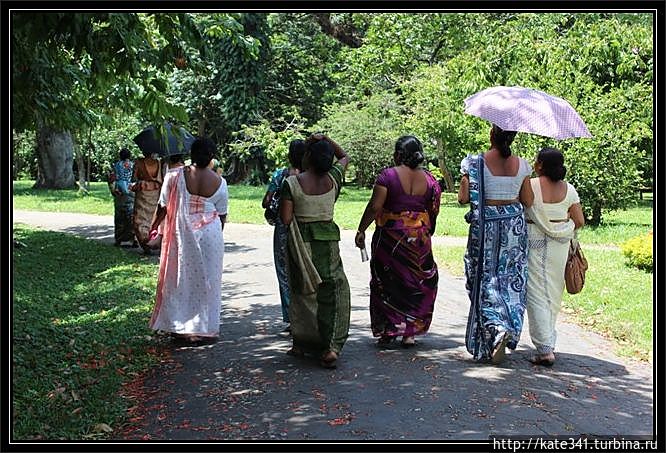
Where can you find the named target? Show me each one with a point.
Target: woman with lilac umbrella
(497, 185)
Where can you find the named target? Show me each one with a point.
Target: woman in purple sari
(403, 286)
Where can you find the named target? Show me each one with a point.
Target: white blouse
(500, 187)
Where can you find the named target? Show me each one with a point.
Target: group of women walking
(135, 186)
(519, 233)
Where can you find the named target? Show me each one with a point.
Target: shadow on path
(246, 387)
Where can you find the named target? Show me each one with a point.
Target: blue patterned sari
(495, 268)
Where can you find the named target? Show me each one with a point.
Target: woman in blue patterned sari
(497, 186)
(123, 199)
(281, 232)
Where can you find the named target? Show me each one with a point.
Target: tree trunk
(441, 160)
(596, 215)
(55, 156)
(347, 34)
(81, 164)
(202, 127)
(237, 171)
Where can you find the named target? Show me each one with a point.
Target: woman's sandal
(295, 352)
(385, 341)
(329, 359)
(408, 342)
(540, 360)
(500, 350)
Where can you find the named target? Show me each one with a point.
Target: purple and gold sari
(404, 277)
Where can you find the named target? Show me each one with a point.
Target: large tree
(68, 69)
(600, 63)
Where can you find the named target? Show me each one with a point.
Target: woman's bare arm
(375, 205)
(576, 214)
(463, 191)
(526, 195)
(286, 211)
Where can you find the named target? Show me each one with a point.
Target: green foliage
(273, 140)
(68, 68)
(638, 251)
(24, 157)
(79, 326)
(601, 64)
(435, 171)
(300, 71)
(225, 90)
(367, 130)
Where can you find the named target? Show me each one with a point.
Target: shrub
(367, 130)
(638, 250)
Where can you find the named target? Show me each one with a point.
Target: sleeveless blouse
(500, 187)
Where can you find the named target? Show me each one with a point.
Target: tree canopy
(254, 81)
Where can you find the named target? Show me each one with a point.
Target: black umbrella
(149, 141)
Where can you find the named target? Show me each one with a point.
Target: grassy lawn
(98, 201)
(80, 329)
(245, 207)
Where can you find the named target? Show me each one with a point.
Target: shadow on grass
(79, 329)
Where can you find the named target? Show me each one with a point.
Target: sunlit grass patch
(80, 329)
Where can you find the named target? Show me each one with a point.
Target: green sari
(320, 305)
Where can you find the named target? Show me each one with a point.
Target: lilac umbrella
(527, 110)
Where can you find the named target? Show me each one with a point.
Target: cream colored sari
(549, 234)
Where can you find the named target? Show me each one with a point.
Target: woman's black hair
(125, 154)
(409, 151)
(552, 163)
(176, 158)
(321, 154)
(202, 152)
(296, 153)
(503, 139)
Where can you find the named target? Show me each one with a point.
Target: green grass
(620, 226)
(245, 207)
(80, 329)
(98, 201)
(450, 258)
(616, 300)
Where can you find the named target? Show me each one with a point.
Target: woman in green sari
(320, 304)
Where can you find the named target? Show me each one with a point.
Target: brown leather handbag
(574, 272)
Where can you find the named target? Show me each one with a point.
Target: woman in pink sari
(193, 202)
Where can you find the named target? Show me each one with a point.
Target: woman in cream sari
(551, 220)
(320, 303)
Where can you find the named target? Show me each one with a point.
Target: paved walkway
(246, 387)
